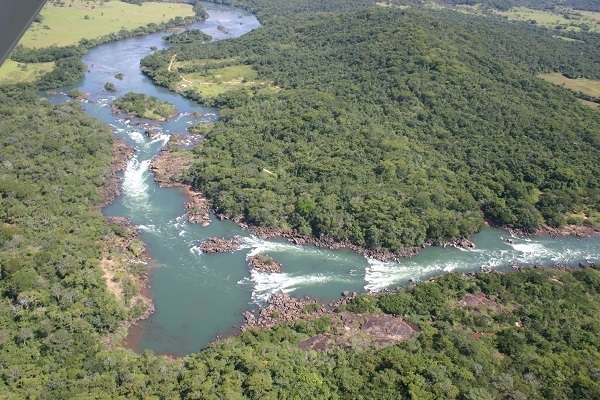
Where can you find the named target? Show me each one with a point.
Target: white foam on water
(493, 258)
(149, 228)
(179, 116)
(136, 136)
(182, 233)
(161, 137)
(530, 252)
(380, 275)
(179, 222)
(451, 266)
(196, 250)
(261, 246)
(266, 284)
(106, 102)
(134, 182)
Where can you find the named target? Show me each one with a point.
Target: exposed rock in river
(121, 155)
(329, 242)
(461, 243)
(264, 263)
(220, 245)
(168, 168)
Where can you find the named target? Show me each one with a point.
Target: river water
(200, 296)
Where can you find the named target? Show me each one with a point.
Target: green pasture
(219, 80)
(66, 25)
(551, 19)
(588, 86)
(14, 72)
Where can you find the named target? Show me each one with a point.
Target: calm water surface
(199, 296)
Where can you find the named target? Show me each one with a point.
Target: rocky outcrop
(198, 209)
(345, 329)
(461, 243)
(329, 242)
(282, 308)
(220, 245)
(168, 168)
(578, 231)
(121, 155)
(264, 263)
(361, 331)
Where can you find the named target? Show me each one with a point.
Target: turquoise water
(200, 296)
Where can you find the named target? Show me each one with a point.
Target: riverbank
(124, 259)
(578, 231)
(170, 167)
(121, 154)
(124, 264)
(350, 329)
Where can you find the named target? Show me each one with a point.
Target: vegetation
(434, 129)
(110, 87)
(54, 306)
(557, 19)
(391, 134)
(188, 36)
(15, 72)
(144, 106)
(588, 89)
(64, 24)
(505, 5)
(210, 79)
(71, 68)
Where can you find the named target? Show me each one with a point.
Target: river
(200, 296)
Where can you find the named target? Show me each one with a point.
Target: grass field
(587, 86)
(12, 73)
(67, 25)
(219, 80)
(552, 19)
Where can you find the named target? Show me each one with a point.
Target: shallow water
(199, 296)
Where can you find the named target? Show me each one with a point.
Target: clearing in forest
(567, 19)
(14, 72)
(586, 86)
(212, 78)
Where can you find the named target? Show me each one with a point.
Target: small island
(143, 106)
(188, 36)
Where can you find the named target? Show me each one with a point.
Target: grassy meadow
(215, 81)
(14, 72)
(587, 86)
(566, 18)
(63, 26)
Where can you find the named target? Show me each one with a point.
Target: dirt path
(171, 62)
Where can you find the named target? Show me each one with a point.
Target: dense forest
(392, 128)
(428, 117)
(585, 5)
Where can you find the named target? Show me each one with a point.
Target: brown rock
(264, 263)
(220, 245)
